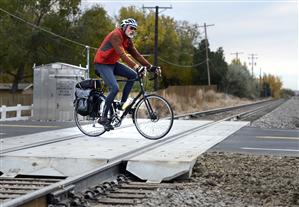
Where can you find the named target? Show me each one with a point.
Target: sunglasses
(133, 28)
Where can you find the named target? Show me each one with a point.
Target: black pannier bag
(86, 101)
(89, 84)
(82, 102)
(95, 98)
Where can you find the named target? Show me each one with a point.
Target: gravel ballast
(234, 179)
(231, 179)
(284, 117)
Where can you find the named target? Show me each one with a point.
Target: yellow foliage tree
(274, 83)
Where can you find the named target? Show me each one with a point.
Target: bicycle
(152, 114)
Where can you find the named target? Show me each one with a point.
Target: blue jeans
(108, 73)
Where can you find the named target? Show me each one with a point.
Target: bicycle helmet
(128, 22)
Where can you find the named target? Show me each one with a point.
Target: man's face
(130, 31)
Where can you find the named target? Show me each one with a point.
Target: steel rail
(251, 113)
(218, 110)
(245, 114)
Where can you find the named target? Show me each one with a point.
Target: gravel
(231, 179)
(284, 117)
(235, 180)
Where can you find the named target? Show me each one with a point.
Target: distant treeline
(47, 31)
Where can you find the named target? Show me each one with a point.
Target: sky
(268, 29)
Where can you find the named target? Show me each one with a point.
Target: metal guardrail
(18, 109)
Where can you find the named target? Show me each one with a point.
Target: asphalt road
(18, 128)
(262, 141)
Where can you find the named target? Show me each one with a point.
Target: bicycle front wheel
(88, 125)
(153, 117)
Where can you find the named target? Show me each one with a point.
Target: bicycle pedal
(108, 127)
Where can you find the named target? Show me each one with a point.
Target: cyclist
(114, 47)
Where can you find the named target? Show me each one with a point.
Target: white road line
(28, 126)
(269, 137)
(269, 149)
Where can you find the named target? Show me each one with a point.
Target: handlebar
(143, 71)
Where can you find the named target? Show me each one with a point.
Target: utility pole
(260, 82)
(252, 57)
(207, 55)
(236, 53)
(87, 61)
(156, 37)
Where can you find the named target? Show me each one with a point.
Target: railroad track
(11, 188)
(209, 114)
(221, 113)
(120, 192)
(71, 188)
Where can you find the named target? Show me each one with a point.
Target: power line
(86, 46)
(40, 28)
(183, 66)
(54, 34)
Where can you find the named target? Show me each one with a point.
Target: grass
(200, 100)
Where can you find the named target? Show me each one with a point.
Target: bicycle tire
(157, 126)
(88, 125)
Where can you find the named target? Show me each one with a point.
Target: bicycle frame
(136, 99)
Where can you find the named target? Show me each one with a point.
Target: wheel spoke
(153, 117)
(88, 125)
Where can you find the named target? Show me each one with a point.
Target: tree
(188, 35)
(199, 58)
(217, 65)
(239, 82)
(25, 44)
(218, 68)
(91, 28)
(286, 93)
(236, 61)
(14, 48)
(272, 86)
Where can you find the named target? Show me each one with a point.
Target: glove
(141, 71)
(155, 69)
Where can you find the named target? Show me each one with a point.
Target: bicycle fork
(152, 114)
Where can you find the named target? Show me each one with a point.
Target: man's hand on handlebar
(141, 70)
(155, 69)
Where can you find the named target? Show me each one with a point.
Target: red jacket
(114, 46)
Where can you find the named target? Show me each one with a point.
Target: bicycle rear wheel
(153, 117)
(88, 125)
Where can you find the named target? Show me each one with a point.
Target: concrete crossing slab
(17, 141)
(178, 157)
(75, 156)
(12, 142)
